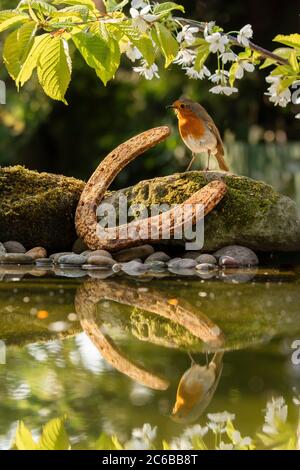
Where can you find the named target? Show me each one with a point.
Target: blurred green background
(262, 141)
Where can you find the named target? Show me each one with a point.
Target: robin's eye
(182, 106)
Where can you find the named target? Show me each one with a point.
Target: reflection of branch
(117, 359)
(198, 324)
(86, 299)
(254, 47)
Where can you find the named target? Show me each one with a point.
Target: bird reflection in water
(196, 389)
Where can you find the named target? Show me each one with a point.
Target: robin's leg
(191, 162)
(207, 358)
(193, 362)
(208, 159)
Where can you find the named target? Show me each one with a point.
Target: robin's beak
(170, 106)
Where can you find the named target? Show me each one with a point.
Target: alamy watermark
(2, 92)
(157, 222)
(296, 354)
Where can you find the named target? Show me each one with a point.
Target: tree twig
(254, 47)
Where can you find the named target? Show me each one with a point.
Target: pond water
(110, 353)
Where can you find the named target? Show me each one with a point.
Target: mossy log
(38, 209)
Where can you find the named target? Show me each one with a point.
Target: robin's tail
(220, 157)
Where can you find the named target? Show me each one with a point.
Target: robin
(196, 389)
(198, 131)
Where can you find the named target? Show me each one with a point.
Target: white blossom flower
(223, 90)
(194, 431)
(142, 18)
(275, 96)
(137, 444)
(187, 34)
(220, 76)
(138, 4)
(208, 28)
(147, 71)
(240, 441)
(146, 433)
(221, 417)
(217, 42)
(276, 413)
(133, 53)
(181, 443)
(185, 57)
(245, 34)
(228, 57)
(194, 74)
(243, 66)
(217, 428)
(298, 117)
(224, 446)
(296, 398)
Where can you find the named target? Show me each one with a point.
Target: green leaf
(146, 48)
(16, 48)
(24, 439)
(292, 40)
(8, 21)
(202, 54)
(165, 8)
(232, 72)
(31, 60)
(293, 61)
(54, 436)
(114, 5)
(116, 443)
(105, 442)
(39, 5)
(198, 443)
(282, 70)
(285, 83)
(166, 41)
(100, 54)
(87, 3)
(166, 445)
(80, 10)
(245, 54)
(54, 68)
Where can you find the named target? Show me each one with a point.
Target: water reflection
(198, 384)
(196, 389)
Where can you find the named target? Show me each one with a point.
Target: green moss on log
(37, 209)
(251, 214)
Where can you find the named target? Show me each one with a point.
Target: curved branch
(136, 232)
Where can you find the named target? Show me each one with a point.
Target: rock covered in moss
(252, 214)
(38, 209)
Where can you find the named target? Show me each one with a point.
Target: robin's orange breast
(191, 126)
